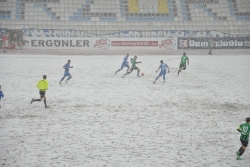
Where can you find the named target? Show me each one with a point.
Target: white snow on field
(99, 119)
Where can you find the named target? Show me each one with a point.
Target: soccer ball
(142, 74)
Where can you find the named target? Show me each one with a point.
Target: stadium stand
(127, 18)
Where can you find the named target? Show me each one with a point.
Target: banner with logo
(215, 43)
(145, 43)
(100, 43)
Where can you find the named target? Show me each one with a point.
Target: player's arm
(239, 129)
(157, 70)
(64, 66)
(137, 62)
(168, 70)
(188, 60)
(71, 66)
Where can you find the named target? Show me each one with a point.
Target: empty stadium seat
(200, 15)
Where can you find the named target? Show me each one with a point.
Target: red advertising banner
(134, 43)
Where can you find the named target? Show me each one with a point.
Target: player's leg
(180, 68)
(128, 67)
(210, 51)
(157, 78)
(69, 77)
(131, 70)
(45, 102)
(184, 67)
(128, 72)
(138, 72)
(164, 76)
(242, 149)
(41, 97)
(62, 79)
(119, 69)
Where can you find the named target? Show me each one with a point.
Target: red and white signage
(99, 43)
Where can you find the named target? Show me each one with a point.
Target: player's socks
(31, 101)
(117, 71)
(241, 151)
(138, 73)
(62, 79)
(156, 79)
(36, 100)
(237, 153)
(45, 103)
(67, 80)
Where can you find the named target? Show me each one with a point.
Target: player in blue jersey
(66, 73)
(1, 95)
(163, 72)
(124, 64)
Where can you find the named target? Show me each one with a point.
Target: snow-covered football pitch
(100, 119)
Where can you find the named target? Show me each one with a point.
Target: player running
(42, 85)
(244, 129)
(133, 62)
(1, 95)
(66, 73)
(163, 72)
(124, 64)
(182, 66)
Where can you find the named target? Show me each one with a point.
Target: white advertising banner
(100, 43)
(134, 43)
(54, 43)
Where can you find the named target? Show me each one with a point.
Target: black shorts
(42, 94)
(244, 142)
(183, 66)
(134, 68)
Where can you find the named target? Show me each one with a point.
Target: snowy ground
(99, 119)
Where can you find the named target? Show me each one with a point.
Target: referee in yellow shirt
(42, 85)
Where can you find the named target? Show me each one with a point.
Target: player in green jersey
(210, 44)
(133, 62)
(182, 66)
(244, 129)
